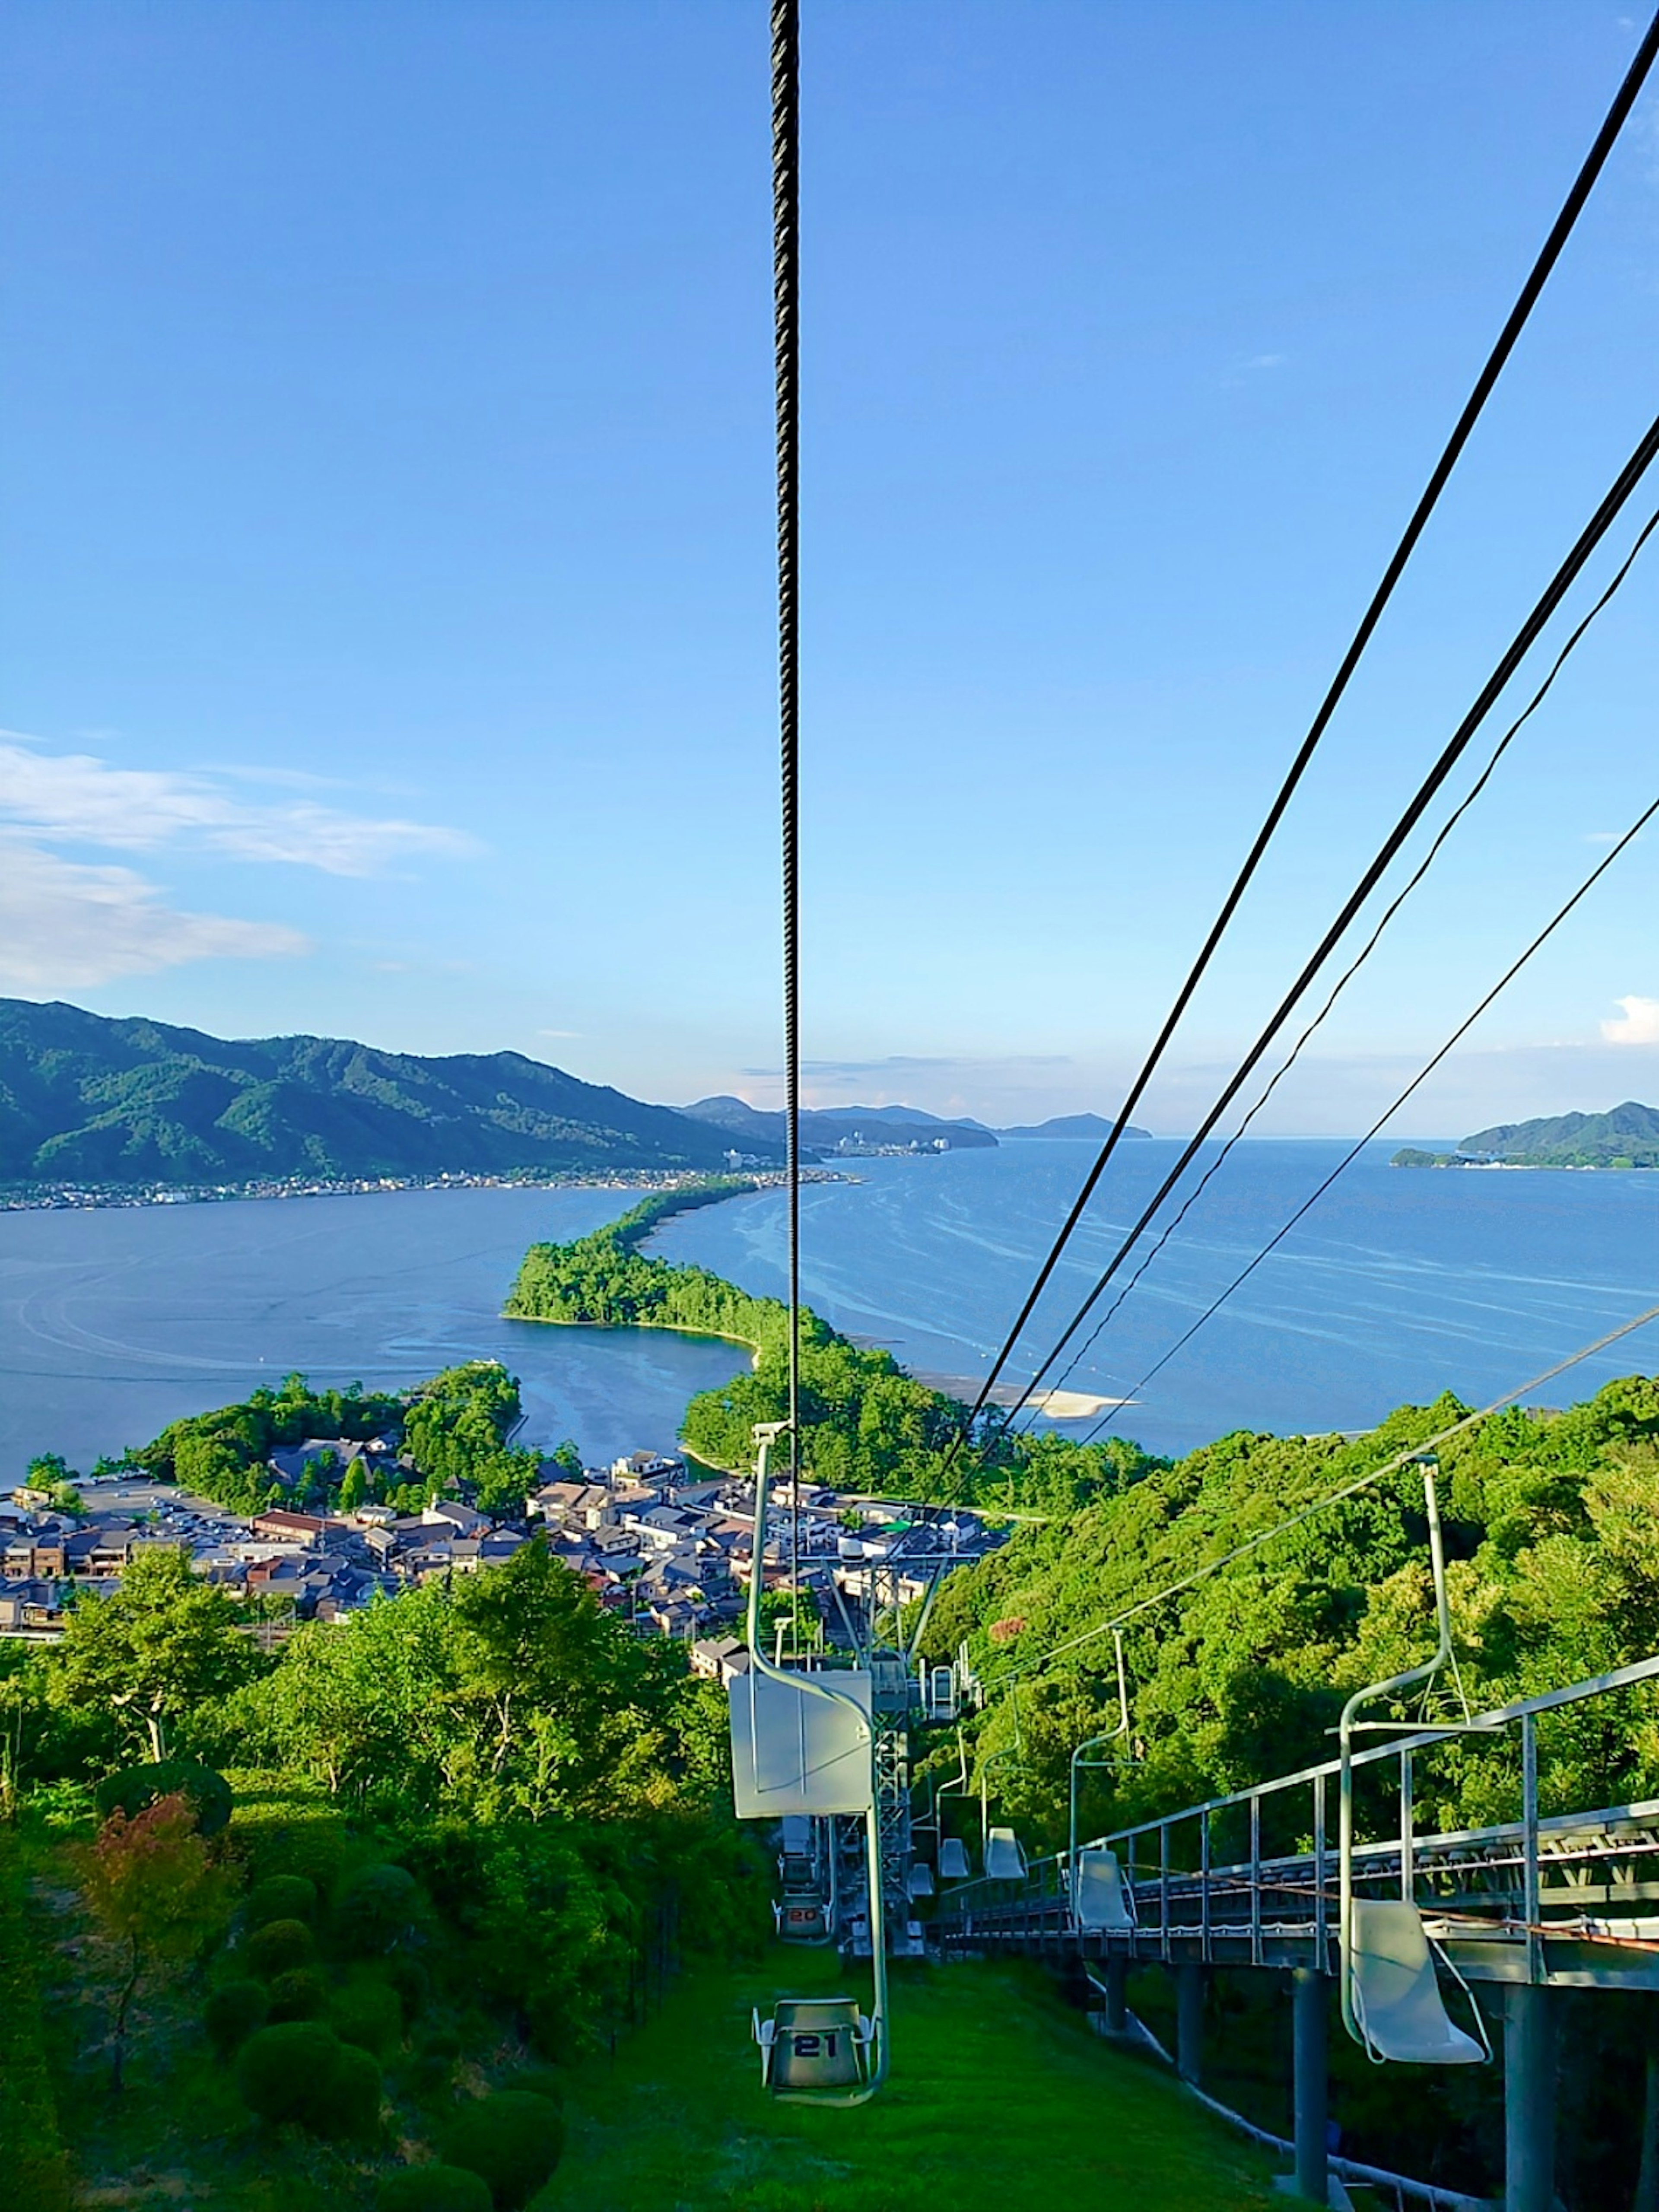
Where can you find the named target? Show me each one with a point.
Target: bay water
(1401, 1284)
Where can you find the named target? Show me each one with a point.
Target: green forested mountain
(86, 1099)
(1625, 1136)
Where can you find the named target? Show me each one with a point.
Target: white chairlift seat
(816, 2050)
(922, 1879)
(1396, 1992)
(953, 1860)
(1102, 1901)
(796, 1751)
(1005, 1858)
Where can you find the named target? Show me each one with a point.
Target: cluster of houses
(669, 1548)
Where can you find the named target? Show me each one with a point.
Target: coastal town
(665, 1544)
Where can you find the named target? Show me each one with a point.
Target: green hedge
(36, 2169)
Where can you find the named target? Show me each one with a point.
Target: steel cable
(1392, 1108)
(1549, 253)
(1525, 638)
(786, 325)
(1365, 953)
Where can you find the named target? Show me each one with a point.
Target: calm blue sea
(1399, 1285)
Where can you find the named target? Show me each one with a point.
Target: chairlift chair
(1103, 1903)
(921, 1882)
(1004, 1856)
(953, 1861)
(817, 2051)
(1391, 2002)
(1079, 1761)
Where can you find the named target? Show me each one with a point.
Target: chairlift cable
(786, 327)
(1549, 254)
(1363, 955)
(1333, 1498)
(1417, 1081)
(1525, 638)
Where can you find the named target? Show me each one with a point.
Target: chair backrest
(796, 1751)
(953, 1860)
(1100, 1896)
(818, 2044)
(1396, 1992)
(922, 1879)
(1005, 1860)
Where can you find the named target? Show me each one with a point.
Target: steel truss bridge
(1514, 1910)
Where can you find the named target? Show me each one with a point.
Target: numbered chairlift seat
(816, 2050)
(953, 1860)
(1004, 1859)
(1102, 1901)
(1396, 1992)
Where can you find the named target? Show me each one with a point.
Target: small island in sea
(1626, 1137)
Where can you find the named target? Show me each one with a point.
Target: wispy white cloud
(1259, 360)
(1637, 1025)
(64, 927)
(78, 799)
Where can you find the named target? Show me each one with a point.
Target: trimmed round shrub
(278, 1946)
(280, 1897)
(233, 2011)
(539, 2081)
(367, 2012)
(377, 1908)
(434, 2063)
(293, 1840)
(279, 2070)
(346, 2103)
(510, 2139)
(300, 1993)
(406, 1974)
(432, 2188)
(136, 1788)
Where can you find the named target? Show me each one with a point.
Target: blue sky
(386, 613)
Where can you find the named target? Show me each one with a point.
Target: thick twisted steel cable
(1387, 1115)
(1526, 637)
(786, 340)
(1549, 253)
(1365, 950)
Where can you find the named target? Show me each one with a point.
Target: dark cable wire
(1560, 231)
(1372, 942)
(785, 315)
(1417, 1081)
(1594, 530)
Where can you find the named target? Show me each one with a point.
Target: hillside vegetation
(83, 1099)
(866, 1425)
(1553, 1534)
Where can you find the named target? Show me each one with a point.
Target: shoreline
(91, 1198)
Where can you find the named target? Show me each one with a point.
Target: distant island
(88, 1100)
(1626, 1137)
(1094, 1126)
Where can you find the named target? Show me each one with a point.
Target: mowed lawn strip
(1000, 2100)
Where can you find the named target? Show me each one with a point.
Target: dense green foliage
(866, 1425)
(432, 2188)
(85, 1099)
(1553, 1534)
(453, 1431)
(511, 2141)
(35, 2169)
(135, 1787)
(1626, 1136)
(232, 2014)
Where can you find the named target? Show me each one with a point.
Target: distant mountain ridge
(1625, 1136)
(86, 1099)
(823, 1127)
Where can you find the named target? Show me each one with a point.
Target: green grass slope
(1000, 2100)
(89, 1100)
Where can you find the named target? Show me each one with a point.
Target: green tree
(156, 1895)
(155, 1648)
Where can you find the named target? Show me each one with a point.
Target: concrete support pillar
(1117, 1993)
(1189, 2022)
(1310, 2015)
(1529, 2100)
